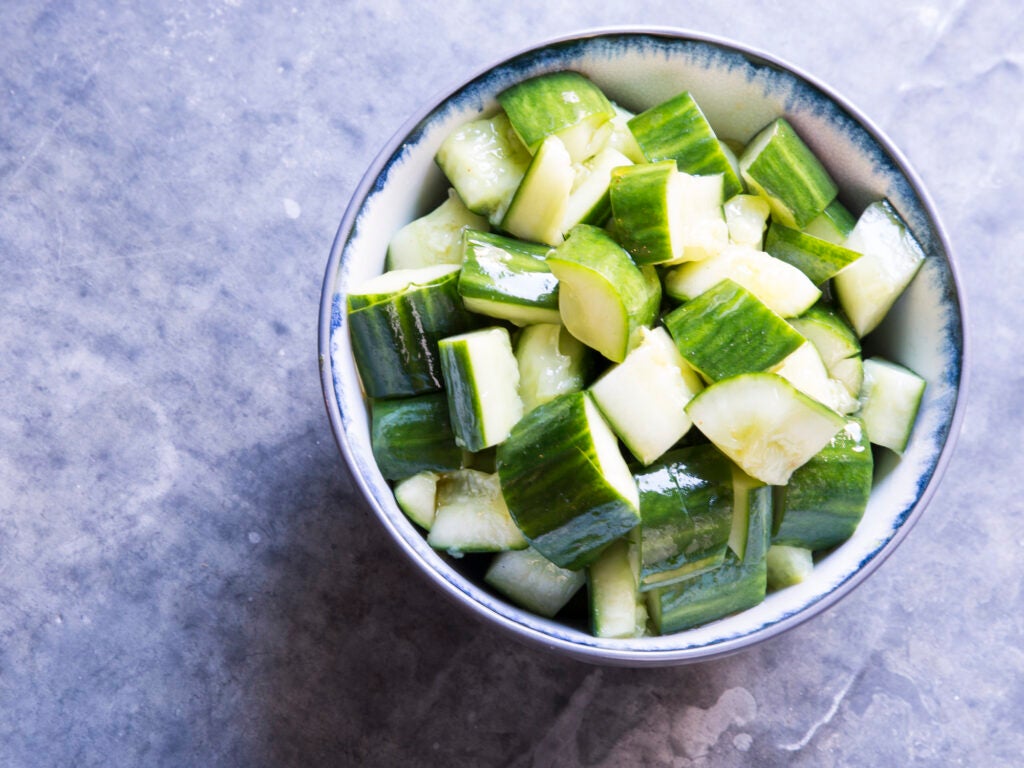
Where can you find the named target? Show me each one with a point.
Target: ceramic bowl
(740, 90)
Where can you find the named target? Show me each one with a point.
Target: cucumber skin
(677, 130)
(412, 435)
(815, 257)
(554, 489)
(639, 201)
(394, 342)
(506, 270)
(825, 499)
(686, 503)
(724, 332)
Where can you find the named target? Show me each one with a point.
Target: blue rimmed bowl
(740, 90)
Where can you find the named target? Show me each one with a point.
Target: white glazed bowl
(740, 90)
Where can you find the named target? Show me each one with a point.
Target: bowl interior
(740, 91)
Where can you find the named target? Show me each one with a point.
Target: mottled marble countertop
(188, 576)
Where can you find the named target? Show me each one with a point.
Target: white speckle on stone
(234, 3)
(254, 537)
(742, 741)
(291, 208)
(58, 619)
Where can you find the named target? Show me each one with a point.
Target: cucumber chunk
(788, 565)
(782, 287)
(677, 129)
(395, 321)
(644, 397)
(435, 238)
(417, 497)
(565, 481)
(752, 500)
(590, 200)
(616, 606)
(484, 161)
(764, 424)
(508, 279)
(825, 498)
(538, 209)
(412, 435)
(817, 258)
(482, 386)
(836, 342)
(686, 513)
(806, 371)
(746, 216)
(562, 104)
(551, 362)
(778, 165)
(868, 287)
(471, 515)
(532, 581)
(621, 138)
(890, 399)
(726, 330)
(834, 224)
(603, 296)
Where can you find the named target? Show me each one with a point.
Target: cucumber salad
(620, 364)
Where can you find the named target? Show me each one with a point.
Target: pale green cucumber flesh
(817, 258)
(538, 208)
(891, 257)
(788, 566)
(644, 397)
(677, 129)
(412, 435)
(890, 401)
(616, 608)
(508, 278)
(781, 286)
(764, 424)
(604, 297)
(806, 371)
(565, 481)
(533, 582)
(435, 238)
(484, 161)
(471, 515)
(825, 498)
(417, 497)
(834, 224)
(394, 340)
(746, 217)
(590, 201)
(726, 331)
(551, 362)
(780, 166)
(482, 385)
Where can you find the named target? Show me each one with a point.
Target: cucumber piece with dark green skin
(484, 161)
(508, 278)
(471, 515)
(563, 104)
(837, 343)
(726, 330)
(412, 435)
(825, 498)
(817, 258)
(395, 322)
(565, 481)
(677, 130)
(530, 580)
(737, 584)
(603, 296)
(686, 513)
(778, 165)
(482, 385)
(644, 203)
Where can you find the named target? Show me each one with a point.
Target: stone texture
(188, 576)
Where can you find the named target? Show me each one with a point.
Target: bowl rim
(444, 582)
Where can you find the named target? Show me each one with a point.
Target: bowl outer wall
(520, 624)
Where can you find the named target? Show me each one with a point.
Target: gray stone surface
(187, 574)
